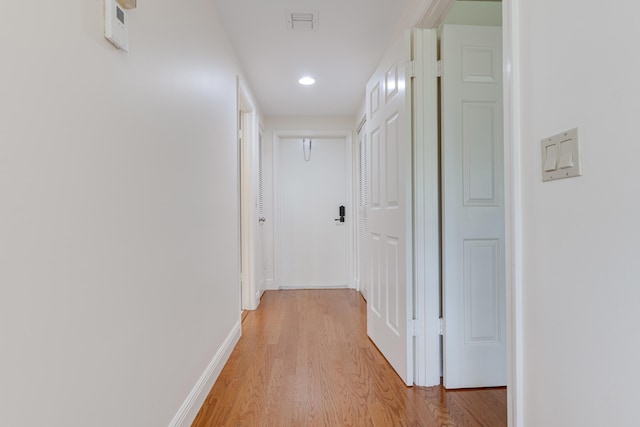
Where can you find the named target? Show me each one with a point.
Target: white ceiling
(341, 54)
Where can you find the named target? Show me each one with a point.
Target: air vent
(302, 21)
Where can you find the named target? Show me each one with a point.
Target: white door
(475, 353)
(312, 187)
(388, 104)
(363, 228)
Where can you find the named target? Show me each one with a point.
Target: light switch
(551, 156)
(566, 156)
(561, 156)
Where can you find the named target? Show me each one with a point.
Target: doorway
(473, 297)
(482, 302)
(314, 218)
(250, 190)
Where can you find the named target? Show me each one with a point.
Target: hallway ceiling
(341, 54)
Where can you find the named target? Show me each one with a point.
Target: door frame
(278, 135)
(426, 177)
(360, 138)
(431, 17)
(248, 138)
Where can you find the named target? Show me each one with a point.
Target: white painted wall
(579, 66)
(118, 218)
(310, 123)
(360, 115)
(486, 13)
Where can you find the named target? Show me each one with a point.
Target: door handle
(261, 219)
(341, 212)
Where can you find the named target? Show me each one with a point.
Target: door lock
(341, 212)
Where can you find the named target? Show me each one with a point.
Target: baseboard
(260, 291)
(270, 286)
(310, 287)
(192, 404)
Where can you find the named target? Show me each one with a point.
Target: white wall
(309, 123)
(579, 67)
(118, 266)
(361, 114)
(486, 13)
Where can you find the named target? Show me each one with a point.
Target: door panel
(312, 244)
(481, 291)
(389, 214)
(480, 145)
(473, 210)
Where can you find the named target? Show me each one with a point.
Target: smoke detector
(302, 20)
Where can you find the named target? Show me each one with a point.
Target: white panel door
(475, 353)
(388, 103)
(312, 181)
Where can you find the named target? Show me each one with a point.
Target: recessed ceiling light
(307, 81)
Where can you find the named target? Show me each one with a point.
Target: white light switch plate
(561, 156)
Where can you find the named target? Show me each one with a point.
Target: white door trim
(248, 192)
(432, 18)
(513, 214)
(358, 141)
(347, 135)
(426, 203)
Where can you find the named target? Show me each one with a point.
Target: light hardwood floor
(304, 359)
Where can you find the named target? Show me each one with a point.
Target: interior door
(363, 227)
(313, 186)
(474, 306)
(388, 104)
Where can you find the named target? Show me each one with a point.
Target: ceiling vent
(302, 21)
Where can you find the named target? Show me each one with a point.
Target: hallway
(304, 359)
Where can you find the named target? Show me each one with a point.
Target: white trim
(347, 135)
(513, 214)
(435, 13)
(309, 287)
(426, 209)
(249, 179)
(352, 219)
(239, 194)
(358, 140)
(192, 404)
(275, 156)
(360, 127)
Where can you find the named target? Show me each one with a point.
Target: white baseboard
(260, 291)
(192, 404)
(311, 287)
(270, 286)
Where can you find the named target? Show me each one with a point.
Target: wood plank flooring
(304, 359)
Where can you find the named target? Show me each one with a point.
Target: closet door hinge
(439, 68)
(441, 326)
(410, 66)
